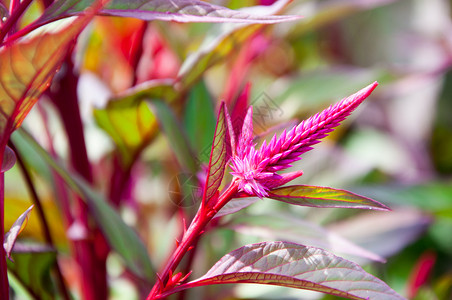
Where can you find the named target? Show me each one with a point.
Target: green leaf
(222, 40)
(27, 67)
(130, 124)
(175, 10)
(316, 196)
(297, 266)
(199, 120)
(123, 239)
(176, 135)
(32, 265)
(11, 236)
(217, 161)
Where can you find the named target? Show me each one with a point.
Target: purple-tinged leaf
(384, 233)
(297, 266)
(175, 10)
(9, 159)
(236, 205)
(13, 233)
(316, 196)
(217, 162)
(285, 227)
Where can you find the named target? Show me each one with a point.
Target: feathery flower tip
(256, 169)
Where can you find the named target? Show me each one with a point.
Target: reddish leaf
(316, 196)
(217, 162)
(11, 235)
(27, 67)
(297, 266)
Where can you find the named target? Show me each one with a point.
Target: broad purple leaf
(236, 205)
(217, 162)
(13, 233)
(297, 266)
(384, 233)
(290, 228)
(316, 196)
(148, 10)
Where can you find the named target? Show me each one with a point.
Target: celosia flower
(256, 170)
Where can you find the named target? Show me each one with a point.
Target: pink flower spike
(256, 170)
(246, 136)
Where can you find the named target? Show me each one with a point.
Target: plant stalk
(11, 22)
(4, 286)
(45, 225)
(194, 231)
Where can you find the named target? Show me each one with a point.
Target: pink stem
(4, 286)
(196, 228)
(10, 24)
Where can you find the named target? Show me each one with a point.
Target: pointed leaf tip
(316, 196)
(11, 236)
(217, 161)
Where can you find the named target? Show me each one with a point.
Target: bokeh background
(396, 148)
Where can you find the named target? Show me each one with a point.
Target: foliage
(155, 136)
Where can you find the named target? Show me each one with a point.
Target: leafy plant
(161, 61)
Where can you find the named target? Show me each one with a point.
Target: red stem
(194, 231)
(10, 24)
(91, 253)
(4, 286)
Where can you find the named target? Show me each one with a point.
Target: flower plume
(256, 170)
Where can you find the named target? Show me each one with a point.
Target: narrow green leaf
(297, 266)
(176, 135)
(199, 120)
(11, 236)
(32, 266)
(217, 161)
(316, 196)
(123, 239)
(130, 124)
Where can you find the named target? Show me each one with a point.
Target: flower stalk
(254, 171)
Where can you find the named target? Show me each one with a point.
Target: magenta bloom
(256, 170)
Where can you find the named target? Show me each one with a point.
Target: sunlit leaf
(217, 161)
(176, 135)
(32, 266)
(123, 239)
(175, 10)
(130, 124)
(221, 40)
(13, 233)
(27, 67)
(316, 196)
(297, 266)
(9, 159)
